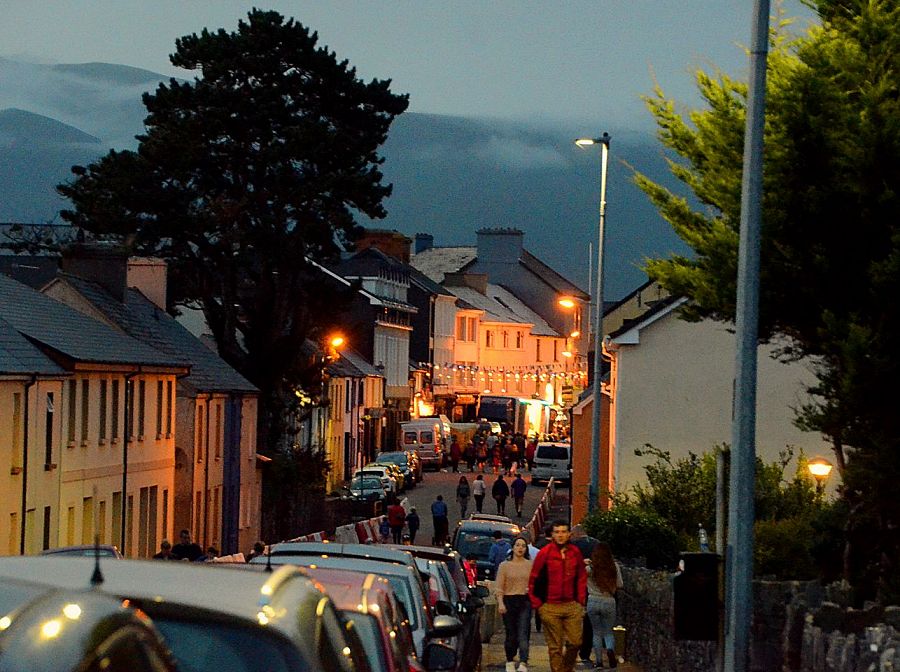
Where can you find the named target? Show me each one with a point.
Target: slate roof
(436, 262)
(144, 320)
(501, 305)
(72, 334)
(352, 365)
(649, 316)
(32, 270)
(19, 356)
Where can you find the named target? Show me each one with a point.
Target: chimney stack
(424, 241)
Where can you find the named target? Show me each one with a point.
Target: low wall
(840, 639)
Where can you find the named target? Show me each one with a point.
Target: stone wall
(842, 639)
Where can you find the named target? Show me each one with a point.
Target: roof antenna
(268, 558)
(97, 576)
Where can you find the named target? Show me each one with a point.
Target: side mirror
(445, 626)
(444, 608)
(438, 657)
(480, 591)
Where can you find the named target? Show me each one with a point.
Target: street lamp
(820, 469)
(594, 489)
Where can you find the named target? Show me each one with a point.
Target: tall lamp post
(594, 489)
(820, 469)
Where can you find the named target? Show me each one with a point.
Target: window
(129, 408)
(16, 462)
(505, 339)
(103, 402)
(169, 408)
(159, 408)
(129, 525)
(101, 521)
(218, 438)
(142, 400)
(489, 338)
(349, 397)
(461, 334)
(473, 332)
(537, 356)
(520, 340)
(70, 526)
(12, 543)
(85, 408)
(555, 351)
(70, 431)
(114, 432)
(48, 432)
(165, 513)
(116, 529)
(46, 532)
(87, 520)
(198, 510)
(198, 447)
(144, 522)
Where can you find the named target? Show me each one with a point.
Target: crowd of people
(568, 581)
(493, 453)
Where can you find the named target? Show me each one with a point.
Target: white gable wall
(673, 390)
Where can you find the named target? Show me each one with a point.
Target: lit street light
(820, 469)
(594, 489)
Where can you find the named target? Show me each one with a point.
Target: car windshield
(199, 646)
(392, 458)
(370, 635)
(478, 543)
(553, 452)
(365, 483)
(400, 586)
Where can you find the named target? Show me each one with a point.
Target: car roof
(491, 516)
(564, 444)
(362, 551)
(83, 549)
(349, 589)
(215, 587)
(487, 526)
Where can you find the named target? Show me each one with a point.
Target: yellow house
(105, 464)
(217, 486)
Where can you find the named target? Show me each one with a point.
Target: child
(384, 530)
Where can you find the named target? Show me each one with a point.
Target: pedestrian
(585, 545)
(558, 590)
(499, 551)
(530, 449)
(500, 491)
(463, 492)
(482, 454)
(517, 489)
(186, 549)
(514, 605)
(479, 489)
(455, 454)
(605, 578)
(440, 521)
(470, 455)
(211, 554)
(413, 522)
(165, 551)
(384, 530)
(396, 516)
(259, 548)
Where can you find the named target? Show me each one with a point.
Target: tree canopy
(243, 176)
(830, 255)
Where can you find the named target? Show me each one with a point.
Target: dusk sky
(542, 62)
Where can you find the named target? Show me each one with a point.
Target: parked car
(474, 538)
(394, 471)
(403, 461)
(388, 482)
(85, 550)
(423, 436)
(551, 460)
(494, 517)
(368, 605)
(366, 487)
(216, 617)
(47, 629)
(405, 581)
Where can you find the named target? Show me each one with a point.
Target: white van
(551, 460)
(423, 436)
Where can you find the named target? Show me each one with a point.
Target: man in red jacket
(557, 587)
(396, 515)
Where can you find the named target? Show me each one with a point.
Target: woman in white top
(479, 489)
(514, 605)
(604, 579)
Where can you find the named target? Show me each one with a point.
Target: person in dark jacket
(557, 587)
(413, 523)
(186, 549)
(517, 489)
(500, 493)
(440, 520)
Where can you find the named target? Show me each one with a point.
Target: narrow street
(444, 483)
